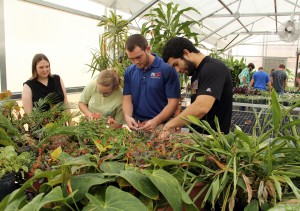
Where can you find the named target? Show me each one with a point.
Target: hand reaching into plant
(91, 116)
(149, 125)
(164, 134)
(131, 123)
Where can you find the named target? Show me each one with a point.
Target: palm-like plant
(116, 32)
(164, 25)
(111, 52)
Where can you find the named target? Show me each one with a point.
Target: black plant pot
(7, 185)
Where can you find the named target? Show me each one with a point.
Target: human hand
(131, 123)
(90, 116)
(164, 134)
(149, 125)
(111, 120)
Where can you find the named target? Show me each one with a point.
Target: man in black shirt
(211, 85)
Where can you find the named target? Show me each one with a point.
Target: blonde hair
(109, 78)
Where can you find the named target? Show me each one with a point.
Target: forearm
(84, 108)
(251, 83)
(127, 106)
(179, 121)
(270, 87)
(167, 112)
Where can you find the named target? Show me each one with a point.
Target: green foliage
(111, 52)
(235, 66)
(238, 168)
(10, 161)
(105, 186)
(166, 24)
(39, 119)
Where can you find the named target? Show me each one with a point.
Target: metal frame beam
(143, 9)
(257, 32)
(70, 10)
(253, 14)
(218, 29)
(237, 43)
(242, 27)
(229, 10)
(293, 3)
(275, 10)
(3, 81)
(207, 16)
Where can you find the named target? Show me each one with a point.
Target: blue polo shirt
(151, 88)
(260, 78)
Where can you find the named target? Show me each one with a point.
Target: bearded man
(211, 85)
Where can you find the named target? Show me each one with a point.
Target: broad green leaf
(13, 205)
(162, 163)
(168, 186)
(78, 161)
(54, 195)
(47, 174)
(253, 206)
(56, 153)
(141, 183)
(83, 182)
(33, 204)
(112, 167)
(115, 199)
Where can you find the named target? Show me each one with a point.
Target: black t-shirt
(40, 91)
(212, 77)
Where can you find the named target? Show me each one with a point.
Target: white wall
(255, 54)
(66, 39)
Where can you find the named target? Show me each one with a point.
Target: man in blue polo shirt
(151, 87)
(260, 79)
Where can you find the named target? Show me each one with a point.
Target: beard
(190, 67)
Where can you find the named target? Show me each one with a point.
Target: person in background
(151, 87)
(211, 86)
(41, 84)
(103, 97)
(279, 79)
(272, 70)
(244, 76)
(260, 79)
(298, 81)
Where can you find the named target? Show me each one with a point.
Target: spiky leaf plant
(249, 171)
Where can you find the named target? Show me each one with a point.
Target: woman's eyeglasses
(104, 94)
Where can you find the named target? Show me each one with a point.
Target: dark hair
(36, 59)
(282, 66)
(175, 46)
(251, 65)
(109, 78)
(134, 41)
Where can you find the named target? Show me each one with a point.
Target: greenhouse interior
(150, 105)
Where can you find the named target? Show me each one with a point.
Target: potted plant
(111, 52)
(10, 164)
(248, 172)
